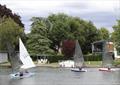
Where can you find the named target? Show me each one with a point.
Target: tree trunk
(14, 58)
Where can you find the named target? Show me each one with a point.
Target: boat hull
(106, 69)
(77, 70)
(17, 75)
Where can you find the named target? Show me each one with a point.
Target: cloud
(100, 12)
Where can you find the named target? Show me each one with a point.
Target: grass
(87, 64)
(93, 63)
(5, 64)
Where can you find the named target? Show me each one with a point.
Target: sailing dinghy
(107, 58)
(78, 59)
(26, 60)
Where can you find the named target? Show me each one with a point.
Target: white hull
(17, 75)
(78, 70)
(106, 69)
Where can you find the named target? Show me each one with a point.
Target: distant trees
(38, 40)
(73, 28)
(104, 34)
(116, 35)
(48, 34)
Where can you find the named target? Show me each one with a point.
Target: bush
(51, 58)
(93, 57)
(55, 58)
(116, 62)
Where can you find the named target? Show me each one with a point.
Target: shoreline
(56, 65)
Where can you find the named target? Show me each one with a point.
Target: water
(62, 76)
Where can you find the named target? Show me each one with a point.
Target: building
(104, 46)
(3, 57)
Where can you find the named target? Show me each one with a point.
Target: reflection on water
(62, 76)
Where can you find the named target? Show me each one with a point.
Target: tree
(38, 41)
(68, 48)
(104, 33)
(116, 35)
(68, 27)
(7, 13)
(9, 34)
(64, 27)
(4, 11)
(90, 33)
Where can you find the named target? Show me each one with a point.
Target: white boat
(66, 63)
(17, 75)
(26, 60)
(78, 59)
(107, 69)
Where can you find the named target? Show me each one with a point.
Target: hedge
(93, 57)
(56, 58)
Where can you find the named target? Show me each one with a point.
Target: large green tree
(104, 33)
(91, 34)
(4, 11)
(9, 34)
(38, 40)
(64, 28)
(7, 13)
(116, 35)
(68, 27)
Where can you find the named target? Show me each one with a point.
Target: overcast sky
(103, 13)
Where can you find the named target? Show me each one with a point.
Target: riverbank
(91, 64)
(87, 64)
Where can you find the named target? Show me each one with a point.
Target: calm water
(62, 76)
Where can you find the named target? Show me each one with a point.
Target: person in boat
(80, 68)
(109, 68)
(21, 74)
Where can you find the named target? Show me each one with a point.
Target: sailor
(109, 68)
(80, 68)
(21, 74)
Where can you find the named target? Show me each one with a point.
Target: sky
(103, 13)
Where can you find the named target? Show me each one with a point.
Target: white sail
(25, 57)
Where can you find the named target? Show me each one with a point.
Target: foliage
(55, 58)
(104, 33)
(9, 34)
(51, 32)
(5, 14)
(116, 35)
(4, 11)
(116, 62)
(38, 41)
(93, 57)
(67, 27)
(68, 47)
(90, 34)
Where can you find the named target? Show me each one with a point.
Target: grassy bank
(87, 64)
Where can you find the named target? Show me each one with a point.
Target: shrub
(93, 57)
